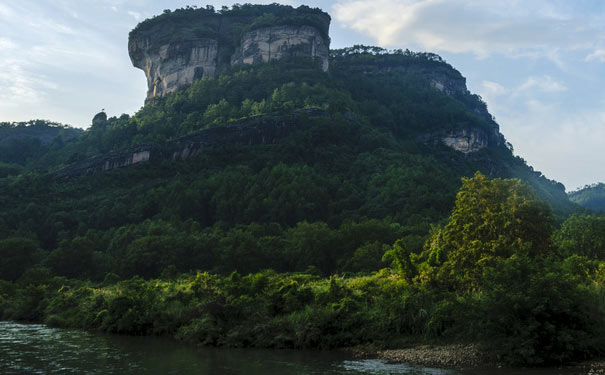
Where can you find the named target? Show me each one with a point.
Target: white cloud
(565, 145)
(136, 15)
(493, 88)
(531, 87)
(5, 11)
(597, 55)
(49, 27)
(481, 27)
(20, 86)
(6, 44)
(544, 84)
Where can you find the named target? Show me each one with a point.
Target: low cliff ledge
(258, 130)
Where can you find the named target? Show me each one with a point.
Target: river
(38, 349)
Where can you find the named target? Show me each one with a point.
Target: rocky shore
(470, 359)
(457, 356)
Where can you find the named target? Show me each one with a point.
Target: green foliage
(534, 312)
(25, 142)
(529, 312)
(207, 22)
(355, 187)
(492, 220)
(494, 277)
(402, 259)
(582, 235)
(590, 196)
(16, 255)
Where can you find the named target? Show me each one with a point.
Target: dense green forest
(591, 197)
(24, 143)
(356, 229)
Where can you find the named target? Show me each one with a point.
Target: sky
(539, 65)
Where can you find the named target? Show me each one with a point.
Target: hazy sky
(539, 64)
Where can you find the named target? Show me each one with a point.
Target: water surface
(38, 349)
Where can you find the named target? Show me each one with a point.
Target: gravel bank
(448, 356)
(469, 357)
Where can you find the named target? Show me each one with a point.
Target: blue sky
(539, 65)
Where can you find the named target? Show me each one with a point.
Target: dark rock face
(251, 131)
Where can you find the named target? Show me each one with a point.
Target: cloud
(136, 15)
(493, 88)
(564, 146)
(480, 27)
(531, 87)
(20, 86)
(562, 141)
(5, 11)
(544, 84)
(6, 44)
(49, 27)
(597, 55)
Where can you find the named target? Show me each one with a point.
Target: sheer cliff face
(171, 66)
(274, 43)
(171, 62)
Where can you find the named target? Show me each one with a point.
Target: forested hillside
(591, 197)
(365, 161)
(24, 143)
(362, 226)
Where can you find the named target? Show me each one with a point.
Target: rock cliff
(257, 130)
(170, 66)
(275, 43)
(176, 48)
(465, 140)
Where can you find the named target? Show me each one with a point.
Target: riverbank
(305, 311)
(472, 360)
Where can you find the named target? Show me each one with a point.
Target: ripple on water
(381, 367)
(37, 349)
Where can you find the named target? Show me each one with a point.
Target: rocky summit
(176, 48)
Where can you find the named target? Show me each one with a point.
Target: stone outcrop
(169, 67)
(466, 140)
(275, 43)
(259, 130)
(449, 86)
(176, 48)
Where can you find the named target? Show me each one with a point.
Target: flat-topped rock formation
(176, 48)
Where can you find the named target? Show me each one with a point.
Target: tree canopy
(493, 219)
